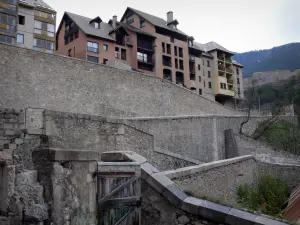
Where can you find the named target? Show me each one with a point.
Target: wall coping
(206, 209)
(172, 174)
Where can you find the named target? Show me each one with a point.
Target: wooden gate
(119, 193)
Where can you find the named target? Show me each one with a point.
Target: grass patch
(269, 197)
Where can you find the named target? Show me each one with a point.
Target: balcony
(230, 82)
(145, 45)
(192, 58)
(8, 27)
(220, 58)
(229, 70)
(221, 68)
(228, 60)
(192, 71)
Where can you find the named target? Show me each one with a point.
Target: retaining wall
(40, 80)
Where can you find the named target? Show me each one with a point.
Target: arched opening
(167, 74)
(180, 78)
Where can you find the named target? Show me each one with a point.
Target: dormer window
(96, 22)
(97, 25)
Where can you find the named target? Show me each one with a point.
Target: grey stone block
(214, 212)
(236, 217)
(262, 220)
(159, 183)
(175, 195)
(192, 205)
(35, 213)
(26, 178)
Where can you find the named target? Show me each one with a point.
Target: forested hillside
(285, 57)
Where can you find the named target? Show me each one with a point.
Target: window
(239, 91)
(93, 47)
(208, 74)
(238, 80)
(44, 28)
(209, 84)
(204, 83)
(117, 52)
(223, 86)
(21, 20)
(180, 64)
(208, 63)
(237, 71)
(199, 67)
(105, 47)
(8, 20)
(163, 47)
(76, 34)
(199, 79)
(97, 25)
(203, 61)
(142, 57)
(142, 22)
(7, 39)
(169, 49)
(105, 61)
(175, 50)
(180, 52)
(20, 38)
(172, 39)
(70, 52)
(39, 44)
(130, 19)
(200, 91)
(123, 54)
(92, 59)
(176, 63)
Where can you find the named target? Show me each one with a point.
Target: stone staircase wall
(264, 152)
(21, 193)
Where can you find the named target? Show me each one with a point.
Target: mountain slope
(285, 57)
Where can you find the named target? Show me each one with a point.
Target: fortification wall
(40, 80)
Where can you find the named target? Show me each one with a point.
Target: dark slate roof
(42, 4)
(134, 29)
(210, 46)
(159, 22)
(237, 64)
(83, 23)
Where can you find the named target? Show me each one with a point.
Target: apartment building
(155, 46)
(28, 24)
(8, 21)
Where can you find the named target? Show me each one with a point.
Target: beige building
(213, 73)
(36, 25)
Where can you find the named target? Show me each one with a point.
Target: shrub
(269, 197)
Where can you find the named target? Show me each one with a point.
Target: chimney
(114, 21)
(169, 17)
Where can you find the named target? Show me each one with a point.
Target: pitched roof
(159, 22)
(210, 46)
(83, 23)
(134, 29)
(237, 64)
(37, 3)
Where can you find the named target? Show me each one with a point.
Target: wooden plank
(117, 189)
(121, 202)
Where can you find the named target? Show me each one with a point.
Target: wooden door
(119, 193)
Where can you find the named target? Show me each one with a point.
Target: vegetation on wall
(285, 57)
(284, 136)
(269, 197)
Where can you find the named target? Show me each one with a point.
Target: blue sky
(239, 25)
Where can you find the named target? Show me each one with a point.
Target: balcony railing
(228, 60)
(192, 71)
(221, 58)
(230, 82)
(222, 68)
(8, 27)
(11, 2)
(229, 70)
(92, 49)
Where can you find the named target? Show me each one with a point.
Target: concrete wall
(219, 181)
(200, 138)
(290, 174)
(42, 80)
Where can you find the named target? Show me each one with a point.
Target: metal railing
(228, 60)
(229, 70)
(222, 68)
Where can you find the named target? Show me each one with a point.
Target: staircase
(263, 152)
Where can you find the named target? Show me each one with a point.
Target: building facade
(155, 46)
(8, 21)
(33, 24)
